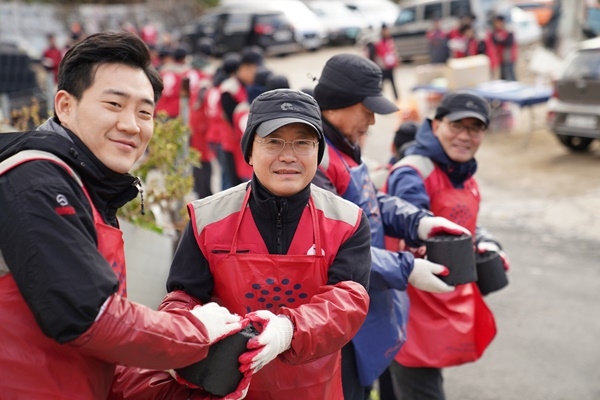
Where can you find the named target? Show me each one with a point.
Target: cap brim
(455, 116)
(267, 127)
(379, 105)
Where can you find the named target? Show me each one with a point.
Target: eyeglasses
(302, 147)
(472, 130)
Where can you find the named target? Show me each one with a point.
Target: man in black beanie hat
(289, 257)
(349, 95)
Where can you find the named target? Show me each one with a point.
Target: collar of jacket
(266, 206)
(429, 146)
(339, 141)
(109, 190)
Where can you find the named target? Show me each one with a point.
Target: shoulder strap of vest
(423, 165)
(31, 155)
(334, 206)
(214, 208)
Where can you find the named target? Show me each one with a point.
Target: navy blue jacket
(406, 183)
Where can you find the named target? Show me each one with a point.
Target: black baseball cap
(277, 81)
(251, 55)
(231, 62)
(348, 79)
(180, 53)
(275, 108)
(462, 104)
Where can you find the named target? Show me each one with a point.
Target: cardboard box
(428, 72)
(467, 72)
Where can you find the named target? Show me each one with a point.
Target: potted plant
(150, 237)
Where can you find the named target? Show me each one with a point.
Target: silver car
(574, 108)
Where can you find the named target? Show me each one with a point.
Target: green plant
(166, 175)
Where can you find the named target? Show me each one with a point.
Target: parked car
(228, 29)
(344, 25)
(309, 31)
(574, 108)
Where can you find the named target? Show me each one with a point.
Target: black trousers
(230, 169)
(202, 176)
(386, 387)
(388, 75)
(352, 388)
(417, 383)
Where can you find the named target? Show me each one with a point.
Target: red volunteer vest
(35, 366)
(214, 115)
(199, 120)
(386, 51)
(169, 100)
(232, 85)
(248, 278)
(449, 328)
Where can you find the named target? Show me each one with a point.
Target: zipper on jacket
(279, 232)
(138, 185)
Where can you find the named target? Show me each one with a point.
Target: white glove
(432, 226)
(422, 277)
(218, 321)
(275, 338)
(483, 247)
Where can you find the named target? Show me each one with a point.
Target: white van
(310, 32)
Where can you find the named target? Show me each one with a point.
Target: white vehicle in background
(310, 31)
(343, 24)
(375, 12)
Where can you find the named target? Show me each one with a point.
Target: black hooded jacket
(47, 234)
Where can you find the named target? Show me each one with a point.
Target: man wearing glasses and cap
(349, 95)
(437, 174)
(289, 257)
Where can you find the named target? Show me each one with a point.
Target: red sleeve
(177, 300)
(128, 333)
(328, 322)
(141, 384)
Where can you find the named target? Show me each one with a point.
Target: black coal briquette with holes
(219, 372)
(491, 275)
(455, 253)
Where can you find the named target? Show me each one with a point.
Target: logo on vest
(62, 200)
(65, 208)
